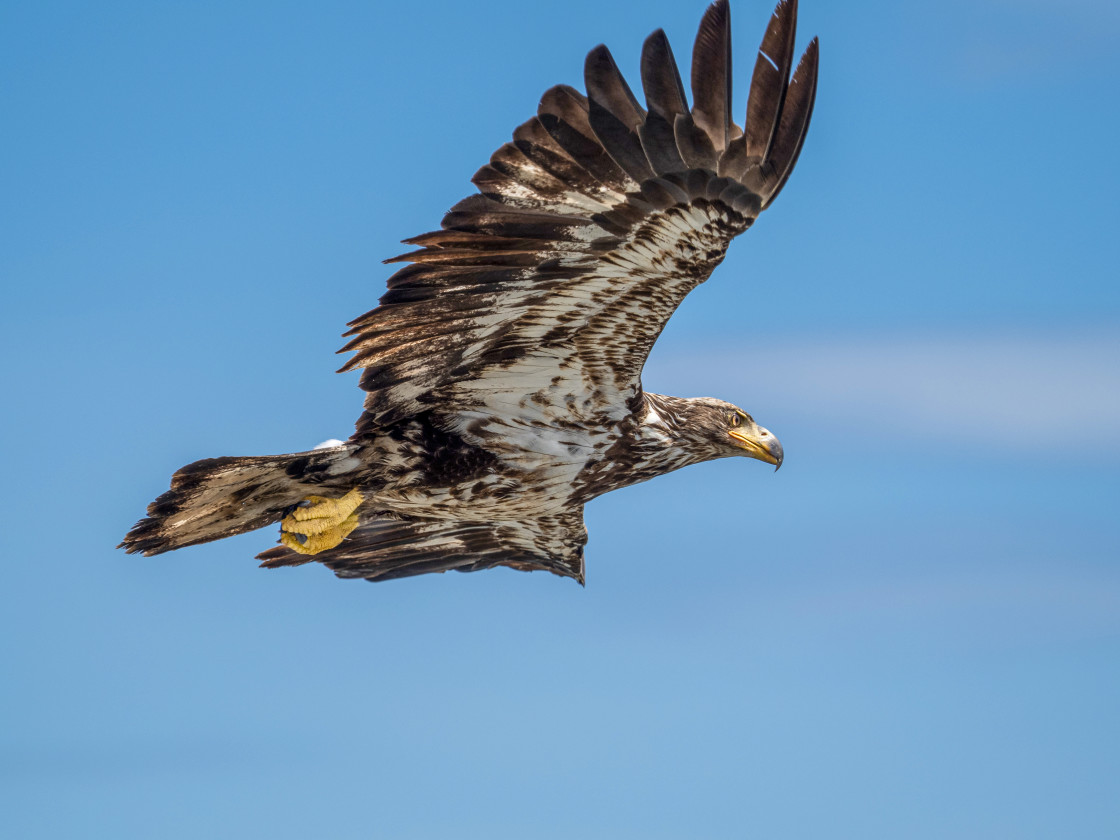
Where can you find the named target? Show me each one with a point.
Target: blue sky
(912, 630)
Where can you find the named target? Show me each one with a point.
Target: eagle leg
(322, 524)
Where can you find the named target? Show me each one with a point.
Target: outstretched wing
(549, 287)
(383, 548)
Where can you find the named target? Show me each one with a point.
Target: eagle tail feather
(220, 497)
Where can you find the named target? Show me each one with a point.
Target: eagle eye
(736, 420)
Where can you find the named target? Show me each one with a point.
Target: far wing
(549, 287)
(384, 548)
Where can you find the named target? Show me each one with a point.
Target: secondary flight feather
(503, 366)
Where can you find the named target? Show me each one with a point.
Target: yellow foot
(320, 523)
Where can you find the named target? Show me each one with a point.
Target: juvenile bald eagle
(503, 366)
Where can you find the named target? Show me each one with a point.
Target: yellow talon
(323, 508)
(322, 525)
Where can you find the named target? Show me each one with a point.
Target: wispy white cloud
(1092, 596)
(1009, 392)
(1093, 12)
(1005, 39)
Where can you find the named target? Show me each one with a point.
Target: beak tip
(762, 447)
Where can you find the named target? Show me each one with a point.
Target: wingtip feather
(712, 74)
(796, 116)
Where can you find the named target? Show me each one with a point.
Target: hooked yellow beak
(759, 444)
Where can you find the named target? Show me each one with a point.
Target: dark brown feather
(614, 114)
(663, 194)
(711, 75)
(665, 99)
(796, 114)
(563, 112)
(768, 84)
(385, 548)
(694, 144)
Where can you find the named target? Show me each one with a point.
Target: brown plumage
(502, 368)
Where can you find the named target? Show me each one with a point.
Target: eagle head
(712, 428)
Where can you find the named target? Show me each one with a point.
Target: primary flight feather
(503, 366)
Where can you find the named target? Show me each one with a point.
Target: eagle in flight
(503, 366)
